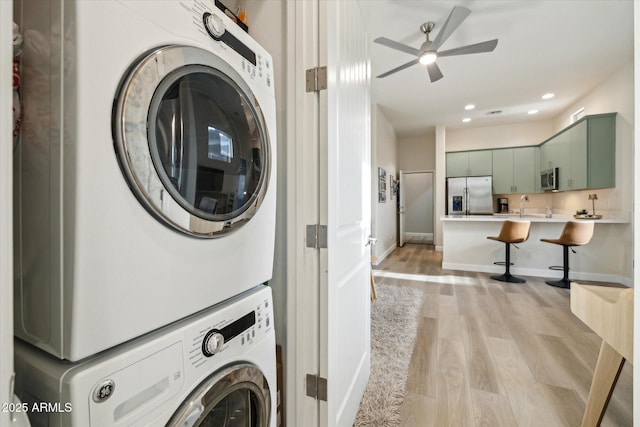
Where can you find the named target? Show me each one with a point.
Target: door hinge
(316, 79)
(317, 387)
(316, 236)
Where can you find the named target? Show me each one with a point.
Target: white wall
(512, 135)
(417, 153)
(384, 148)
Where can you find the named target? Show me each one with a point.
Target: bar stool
(510, 233)
(573, 234)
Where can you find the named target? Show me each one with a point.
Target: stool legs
(564, 282)
(507, 277)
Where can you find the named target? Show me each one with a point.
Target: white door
(345, 205)
(6, 210)
(401, 209)
(418, 208)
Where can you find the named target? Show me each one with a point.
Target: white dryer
(216, 368)
(146, 176)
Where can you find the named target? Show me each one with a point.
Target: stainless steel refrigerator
(469, 196)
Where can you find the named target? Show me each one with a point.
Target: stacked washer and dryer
(145, 221)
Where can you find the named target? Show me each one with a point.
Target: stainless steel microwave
(549, 179)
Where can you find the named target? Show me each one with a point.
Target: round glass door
(192, 141)
(238, 396)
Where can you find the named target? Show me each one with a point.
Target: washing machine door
(192, 141)
(237, 396)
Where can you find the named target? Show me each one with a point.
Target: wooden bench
(609, 313)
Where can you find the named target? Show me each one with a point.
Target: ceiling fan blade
(434, 72)
(457, 15)
(400, 68)
(481, 47)
(398, 46)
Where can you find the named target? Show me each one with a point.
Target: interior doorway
(416, 207)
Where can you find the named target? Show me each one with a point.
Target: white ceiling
(562, 46)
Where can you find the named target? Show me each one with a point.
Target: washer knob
(214, 25)
(212, 343)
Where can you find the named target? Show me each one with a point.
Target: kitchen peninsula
(605, 258)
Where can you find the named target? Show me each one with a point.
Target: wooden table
(609, 313)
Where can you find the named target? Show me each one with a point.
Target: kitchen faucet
(523, 198)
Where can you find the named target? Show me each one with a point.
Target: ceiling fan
(428, 52)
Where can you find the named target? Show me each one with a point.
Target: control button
(214, 25)
(212, 343)
(268, 322)
(253, 333)
(242, 341)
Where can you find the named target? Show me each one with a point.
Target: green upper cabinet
(514, 170)
(601, 151)
(563, 160)
(457, 163)
(578, 161)
(524, 169)
(469, 163)
(584, 153)
(503, 171)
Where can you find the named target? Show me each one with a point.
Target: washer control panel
(233, 334)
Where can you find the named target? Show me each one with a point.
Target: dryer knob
(214, 25)
(212, 343)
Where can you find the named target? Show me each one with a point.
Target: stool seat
(574, 233)
(510, 233)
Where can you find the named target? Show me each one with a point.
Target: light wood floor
(496, 354)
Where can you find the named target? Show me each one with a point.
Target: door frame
(307, 198)
(303, 207)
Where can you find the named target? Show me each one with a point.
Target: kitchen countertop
(534, 218)
(607, 258)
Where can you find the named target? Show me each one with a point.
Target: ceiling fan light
(428, 58)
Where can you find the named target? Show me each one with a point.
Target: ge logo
(103, 391)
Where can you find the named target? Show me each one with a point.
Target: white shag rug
(394, 326)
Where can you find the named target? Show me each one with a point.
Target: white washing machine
(216, 368)
(146, 176)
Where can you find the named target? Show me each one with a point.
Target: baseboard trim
(577, 275)
(385, 254)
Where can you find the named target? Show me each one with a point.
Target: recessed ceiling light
(548, 95)
(469, 107)
(466, 120)
(533, 112)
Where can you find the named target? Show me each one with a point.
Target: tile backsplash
(608, 200)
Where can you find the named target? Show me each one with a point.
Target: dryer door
(237, 396)
(191, 140)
